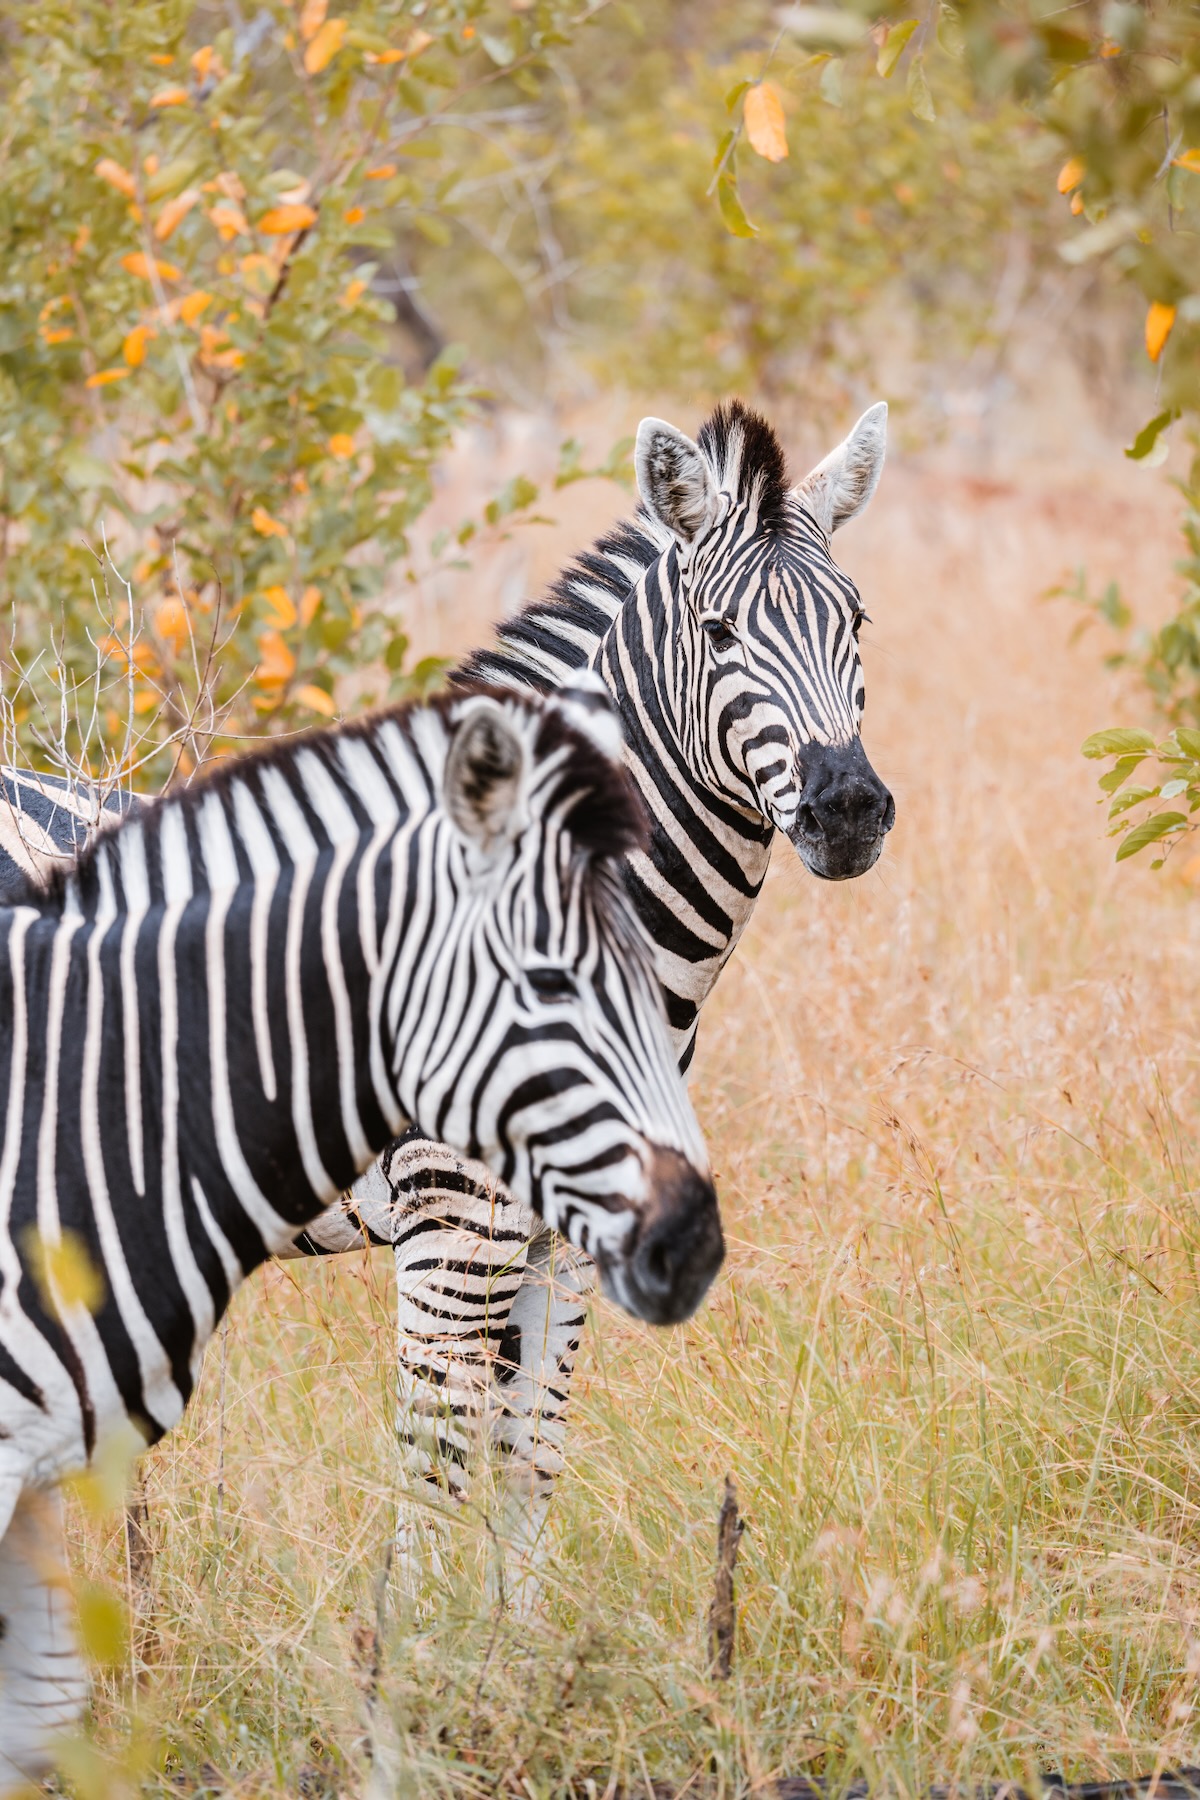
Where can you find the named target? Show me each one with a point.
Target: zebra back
(46, 820)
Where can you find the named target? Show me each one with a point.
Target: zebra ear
(591, 709)
(840, 486)
(674, 480)
(485, 778)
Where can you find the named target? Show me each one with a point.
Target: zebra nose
(846, 802)
(681, 1248)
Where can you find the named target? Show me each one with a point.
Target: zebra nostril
(806, 819)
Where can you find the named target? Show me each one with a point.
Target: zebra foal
(237, 996)
(728, 638)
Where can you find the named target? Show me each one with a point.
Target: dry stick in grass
(366, 1654)
(722, 1616)
(139, 1563)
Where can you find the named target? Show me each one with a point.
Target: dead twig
(722, 1616)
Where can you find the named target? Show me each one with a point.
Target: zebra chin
(668, 1262)
(836, 859)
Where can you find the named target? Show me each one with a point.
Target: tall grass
(953, 1363)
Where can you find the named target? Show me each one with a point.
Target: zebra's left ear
(674, 480)
(840, 486)
(485, 778)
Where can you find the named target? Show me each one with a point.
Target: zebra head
(549, 1057)
(765, 677)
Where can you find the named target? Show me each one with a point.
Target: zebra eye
(720, 635)
(860, 618)
(552, 984)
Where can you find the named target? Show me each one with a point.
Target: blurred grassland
(953, 1362)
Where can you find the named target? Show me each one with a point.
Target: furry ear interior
(840, 486)
(591, 709)
(674, 480)
(485, 778)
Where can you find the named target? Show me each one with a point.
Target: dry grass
(953, 1363)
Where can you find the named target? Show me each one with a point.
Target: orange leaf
(206, 62)
(175, 211)
(282, 219)
(1071, 174)
(171, 621)
(265, 525)
(104, 376)
(150, 165)
(228, 218)
(312, 17)
(283, 607)
(386, 56)
(134, 347)
(354, 290)
(1108, 48)
(278, 664)
(381, 172)
(765, 127)
(1159, 321)
(310, 599)
(170, 96)
(324, 46)
(1077, 204)
(192, 305)
(341, 445)
(354, 215)
(318, 700)
(161, 61)
(61, 334)
(1189, 160)
(139, 265)
(112, 172)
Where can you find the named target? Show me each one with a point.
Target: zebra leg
(533, 1373)
(43, 1680)
(460, 1245)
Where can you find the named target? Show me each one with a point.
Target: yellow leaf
(64, 1272)
(192, 305)
(353, 291)
(1189, 160)
(310, 599)
(170, 96)
(317, 699)
(134, 347)
(228, 218)
(381, 172)
(324, 46)
(1071, 174)
(283, 607)
(171, 621)
(765, 128)
(145, 702)
(1076, 204)
(55, 305)
(278, 665)
(312, 17)
(175, 211)
(341, 445)
(101, 1623)
(265, 525)
(112, 172)
(139, 265)
(354, 215)
(83, 238)
(104, 376)
(283, 219)
(1159, 321)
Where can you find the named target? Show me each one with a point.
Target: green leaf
(735, 93)
(920, 100)
(724, 142)
(1170, 789)
(1119, 773)
(1188, 739)
(892, 47)
(830, 84)
(101, 1618)
(1120, 741)
(1147, 437)
(824, 27)
(1149, 832)
(501, 53)
(729, 202)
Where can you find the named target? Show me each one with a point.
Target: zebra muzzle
(678, 1248)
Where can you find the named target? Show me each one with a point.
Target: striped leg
(460, 1245)
(536, 1362)
(43, 1681)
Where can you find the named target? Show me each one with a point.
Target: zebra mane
(602, 810)
(559, 632)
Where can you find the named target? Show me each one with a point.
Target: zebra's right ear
(674, 480)
(485, 778)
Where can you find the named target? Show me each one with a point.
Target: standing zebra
(728, 639)
(216, 1018)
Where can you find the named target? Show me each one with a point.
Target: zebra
(217, 1016)
(728, 638)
